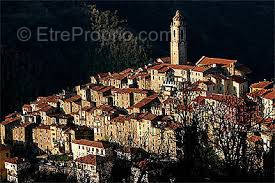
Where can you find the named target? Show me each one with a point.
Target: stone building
(178, 45)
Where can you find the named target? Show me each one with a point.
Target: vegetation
(30, 69)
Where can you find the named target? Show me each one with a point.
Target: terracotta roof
(10, 120)
(102, 88)
(163, 67)
(200, 68)
(140, 116)
(15, 160)
(257, 93)
(120, 119)
(128, 70)
(87, 108)
(118, 76)
(73, 98)
(47, 108)
(12, 115)
(89, 159)
(261, 84)
(208, 82)
(165, 60)
(181, 67)
(42, 126)
(270, 94)
(143, 75)
(130, 90)
(254, 138)
(85, 142)
(220, 61)
(106, 108)
(145, 101)
(218, 76)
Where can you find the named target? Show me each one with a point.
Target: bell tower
(178, 45)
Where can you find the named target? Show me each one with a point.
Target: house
(198, 73)
(6, 127)
(16, 169)
(4, 154)
(147, 104)
(92, 168)
(100, 95)
(239, 86)
(268, 101)
(159, 74)
(260, 86)
(127, 97)
(85, 147)
(22, 134)
(53, 139)
(68, 106)
(227, 65)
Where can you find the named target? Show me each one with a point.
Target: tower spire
(178, 49)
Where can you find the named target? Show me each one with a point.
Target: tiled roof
(220, 61)
(163, 67)
(120, 119)
(129, 70)
(130, 90)
(200, 68)
(47, 108)
(85, 142)
(73, 98)
(106, 108)
(10, 120)
(261, 84)
(208, 82)
(145, 101)
(118, 76)
(218, 76)
(12, 115)
(270, 94)
(89, 159)
(42, 126)
(257, 93)
(166, 60)
(102, 89)
(254, 138)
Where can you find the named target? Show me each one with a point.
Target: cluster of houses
(135, 108)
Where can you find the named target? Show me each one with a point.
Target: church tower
(178, 47)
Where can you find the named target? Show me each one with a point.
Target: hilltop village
(116, 115)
